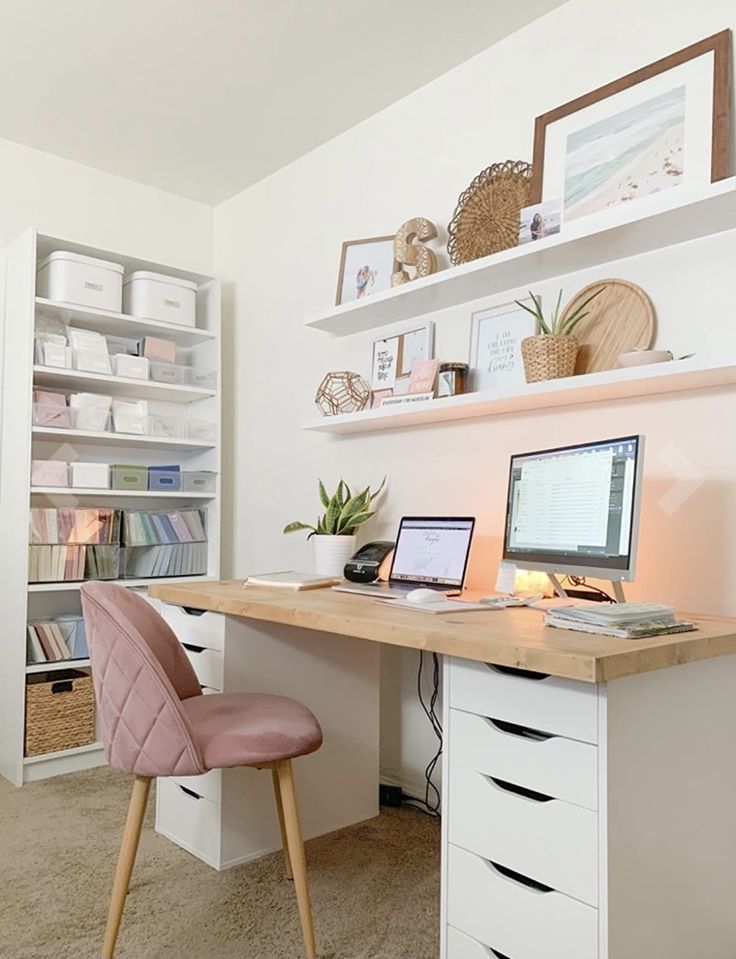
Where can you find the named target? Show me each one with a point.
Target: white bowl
(643, 357)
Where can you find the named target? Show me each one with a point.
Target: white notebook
(290, 580)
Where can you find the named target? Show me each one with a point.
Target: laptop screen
(432, 550)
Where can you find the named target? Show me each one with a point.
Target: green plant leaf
(332, 515)
(356, 504)
(324, 498)
(555, 320)
(577, 315)
(358, 519)
(378, 491)
(295, 526)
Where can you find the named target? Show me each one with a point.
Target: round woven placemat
(486, 218)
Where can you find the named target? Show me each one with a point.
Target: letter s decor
(408, 253)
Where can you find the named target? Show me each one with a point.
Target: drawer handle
(63, 686)
(193, 611)
(518, 877)
(521, 790)
(516, 671)
(188, 792)
(525, 732)
(192, 648)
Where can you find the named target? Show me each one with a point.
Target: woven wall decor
(343, 392)
(486, 219)
(409, 253)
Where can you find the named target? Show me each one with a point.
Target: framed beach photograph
(365, 268)
(495, 346)
(644, 139)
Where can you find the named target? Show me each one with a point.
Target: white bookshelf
(23, 441)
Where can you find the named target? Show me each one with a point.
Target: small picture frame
(394, 357)
(539, 221)
(365, 268)
(495, 346)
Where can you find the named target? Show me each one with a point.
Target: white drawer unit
(189, 818)
(560, 706)
(196, 627)
(460, 946)
(550, 840)
(207, 665)
(563, 768)
(208, 785)
(514, 915)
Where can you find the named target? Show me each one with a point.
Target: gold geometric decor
(407, 252)
(486, 219)
(342, 392)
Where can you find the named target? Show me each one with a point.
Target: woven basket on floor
(548, 357)
(60, 712)
(486, 219)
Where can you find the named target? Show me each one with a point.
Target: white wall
(75, 202)
(277, 247)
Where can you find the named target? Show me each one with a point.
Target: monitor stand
(618, 588)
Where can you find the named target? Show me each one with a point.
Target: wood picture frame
(347, 246)
(719, 44)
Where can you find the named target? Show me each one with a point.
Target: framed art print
(395, 357)
(641, 140)
(495, 346)
(365, 268)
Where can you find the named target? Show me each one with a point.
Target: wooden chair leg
(296, 853)
(282, 824)
(126, 859)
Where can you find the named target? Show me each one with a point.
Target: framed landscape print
(365, 268)
(661, 129)
(495, 346)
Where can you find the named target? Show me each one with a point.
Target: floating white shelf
(62, 753)
(53, 491)
(589, 388)
(524, 266)
(70, 587)
(120, 324)
(132, 441)
(57, 665)
(118, 385)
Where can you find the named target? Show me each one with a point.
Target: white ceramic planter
(331, 553)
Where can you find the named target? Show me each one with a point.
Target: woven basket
(486, 219)
(60, 712)
(548, 357)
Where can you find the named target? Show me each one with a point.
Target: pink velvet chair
(156, 722)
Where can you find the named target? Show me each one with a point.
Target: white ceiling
(205, 97)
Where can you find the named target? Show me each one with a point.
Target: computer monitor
(575, 509)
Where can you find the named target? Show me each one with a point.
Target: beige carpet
(375, 887)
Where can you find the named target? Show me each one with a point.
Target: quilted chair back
(140, 674)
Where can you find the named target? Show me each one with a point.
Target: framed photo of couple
(365, 268)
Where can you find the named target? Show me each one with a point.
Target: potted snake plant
(553, 352)
(334, 535)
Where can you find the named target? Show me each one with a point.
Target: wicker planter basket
(60, 712)
(548, 357)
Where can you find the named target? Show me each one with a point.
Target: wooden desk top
(509, 637)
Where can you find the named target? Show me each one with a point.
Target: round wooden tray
(619, 320)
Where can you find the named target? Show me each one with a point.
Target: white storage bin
(168, 373)
(204, 431)
(171, 427)
(91, 361)
(134, 367)
(54, 355)
(49, 473)
(198, 481)
(73, 278)
(154, 296)
(90, 475)
(206, 380)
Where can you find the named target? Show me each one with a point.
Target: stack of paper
(57, 639)
(624, 620)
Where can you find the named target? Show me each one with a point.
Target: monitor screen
(432, 550)
(575, 509)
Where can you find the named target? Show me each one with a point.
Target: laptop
(431, 552)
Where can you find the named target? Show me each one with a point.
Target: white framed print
(365, 268)
(495, 346)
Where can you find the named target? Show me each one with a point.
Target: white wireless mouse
(422, 596)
